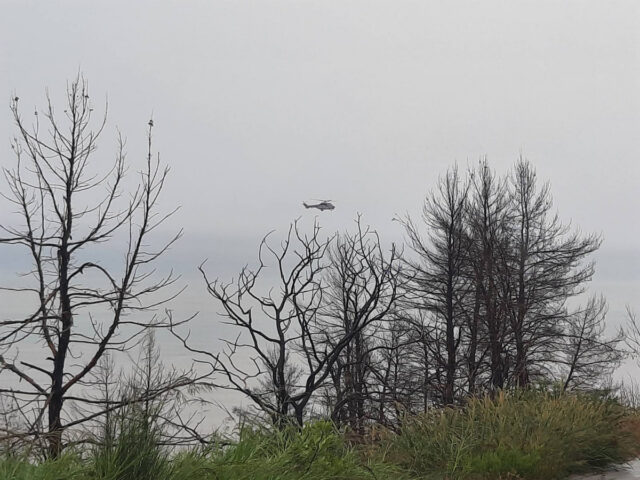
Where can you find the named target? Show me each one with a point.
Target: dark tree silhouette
(589, 356)
(487, 217)
(545, 266)
(439, 285)
(363, 292)
(283, 354)
(491, 276)
(277, 328)
(80, 307)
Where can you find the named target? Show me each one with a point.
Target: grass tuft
(530, 435)
(525, 435)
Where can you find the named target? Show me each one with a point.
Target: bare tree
(282, 354)
(439, 285)
(543, 268)
(82, 305)
(487, 217)
(276, 326)
(632, 332)
(364, 289)
(403, 384)
(162, 396)
(492, 277)
(589, 356)
(424, 370)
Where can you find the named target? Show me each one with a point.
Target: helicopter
(323, 205)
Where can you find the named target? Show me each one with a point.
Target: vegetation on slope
(533, 435)
(527, 435)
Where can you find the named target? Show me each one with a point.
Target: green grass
(67, 467)
(129, 449)
(318, 451)
(530, 435)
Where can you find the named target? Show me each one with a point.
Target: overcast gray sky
(260, 105)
